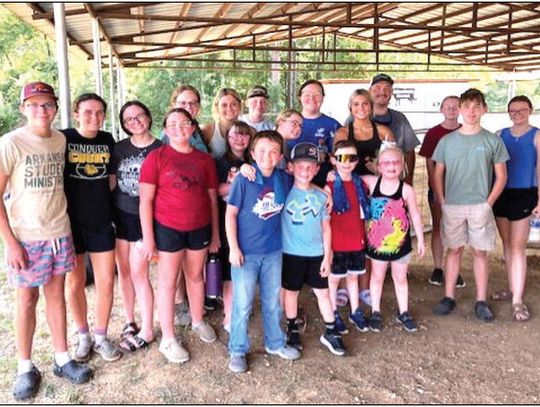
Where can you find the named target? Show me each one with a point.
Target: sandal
(502, 295)
(133, 343)
(129, 329)
(520, 312)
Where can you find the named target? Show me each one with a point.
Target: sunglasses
(346, 158)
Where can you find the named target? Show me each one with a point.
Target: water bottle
(213, 276)
(534, 233)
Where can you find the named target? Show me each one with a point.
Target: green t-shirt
(469, 161)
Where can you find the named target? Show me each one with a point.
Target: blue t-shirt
(258, 220)
(319, 131)
(301, 222)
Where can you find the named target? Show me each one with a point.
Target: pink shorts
(46, 258)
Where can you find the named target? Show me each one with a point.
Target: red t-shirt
(182, 182)
(348, 228)
(432, 138)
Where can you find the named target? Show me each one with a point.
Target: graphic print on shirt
(90, 160)
(129, 170)
(43, 170)
(183, 176)
(266, 205)
(299, 210)
(388, 225)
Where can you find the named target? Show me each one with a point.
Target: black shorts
(128, 226)
(430, 195)
(298, 270)
(516, 203)
(225, 265)
(171, 240)
(349, 263)
(93, 240)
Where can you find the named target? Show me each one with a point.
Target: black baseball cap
(382, 77)
(305, 151)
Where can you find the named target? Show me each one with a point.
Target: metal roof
(503, 36)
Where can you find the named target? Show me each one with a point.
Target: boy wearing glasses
(36, 233)
(347, 222)
(470, 174)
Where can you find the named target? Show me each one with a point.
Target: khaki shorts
(472, 225)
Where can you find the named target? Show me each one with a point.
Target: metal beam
(63, 64)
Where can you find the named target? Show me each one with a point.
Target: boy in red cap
(36, 233)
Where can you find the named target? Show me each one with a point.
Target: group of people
(301, 201)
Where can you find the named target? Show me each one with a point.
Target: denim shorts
(348, 263)
(46, 258)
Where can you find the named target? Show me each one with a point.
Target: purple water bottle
(213, 276)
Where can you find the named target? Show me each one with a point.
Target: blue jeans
(265, 269)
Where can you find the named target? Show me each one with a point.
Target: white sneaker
(174, 351)
(205, 331)
(286, 352)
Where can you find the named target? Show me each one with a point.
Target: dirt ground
(452, 359)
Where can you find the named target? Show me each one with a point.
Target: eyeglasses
(130, 120)
(294, 122)
(316, 95)
(346, 158)
(390, 162)
(176, 125)
(185, 103)
(236, 135)
(519, 111)
(44, 106)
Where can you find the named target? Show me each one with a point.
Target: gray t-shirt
(126, 164)
(264, 125)
(401, 128)
(469, 161)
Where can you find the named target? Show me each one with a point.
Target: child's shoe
(293, 338)
(334, 343)
(375, 322)
(446, 306)
(359, 320)
(340, 325)
(408, 323)
(437, 277)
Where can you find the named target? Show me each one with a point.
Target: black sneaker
(446, 306)
(334, 343)
(375, 322)
(293, 338)
(210, 304)
(436, 277)
(340, 325)
(460, 283)
(26, 385)
(359, 320)
(483, 312)
(75, 372)
(408, 323)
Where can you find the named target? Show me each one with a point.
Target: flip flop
(502, 295)
(520, 312)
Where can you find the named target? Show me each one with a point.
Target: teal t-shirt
(469, 161)
(301, 222)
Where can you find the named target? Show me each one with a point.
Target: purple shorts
(46, 258)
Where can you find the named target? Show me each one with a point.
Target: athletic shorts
(348, 263)
(128, 226)
(298, 270)
(472, 225)
(46, 258)
(430, 195)
(516, 203)
(172, 240)
(225, 264)
(93, 240)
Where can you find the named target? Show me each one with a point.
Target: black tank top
(366, 148)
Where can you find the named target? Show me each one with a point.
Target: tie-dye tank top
(388, 229)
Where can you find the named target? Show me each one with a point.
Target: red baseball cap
(36, 89)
